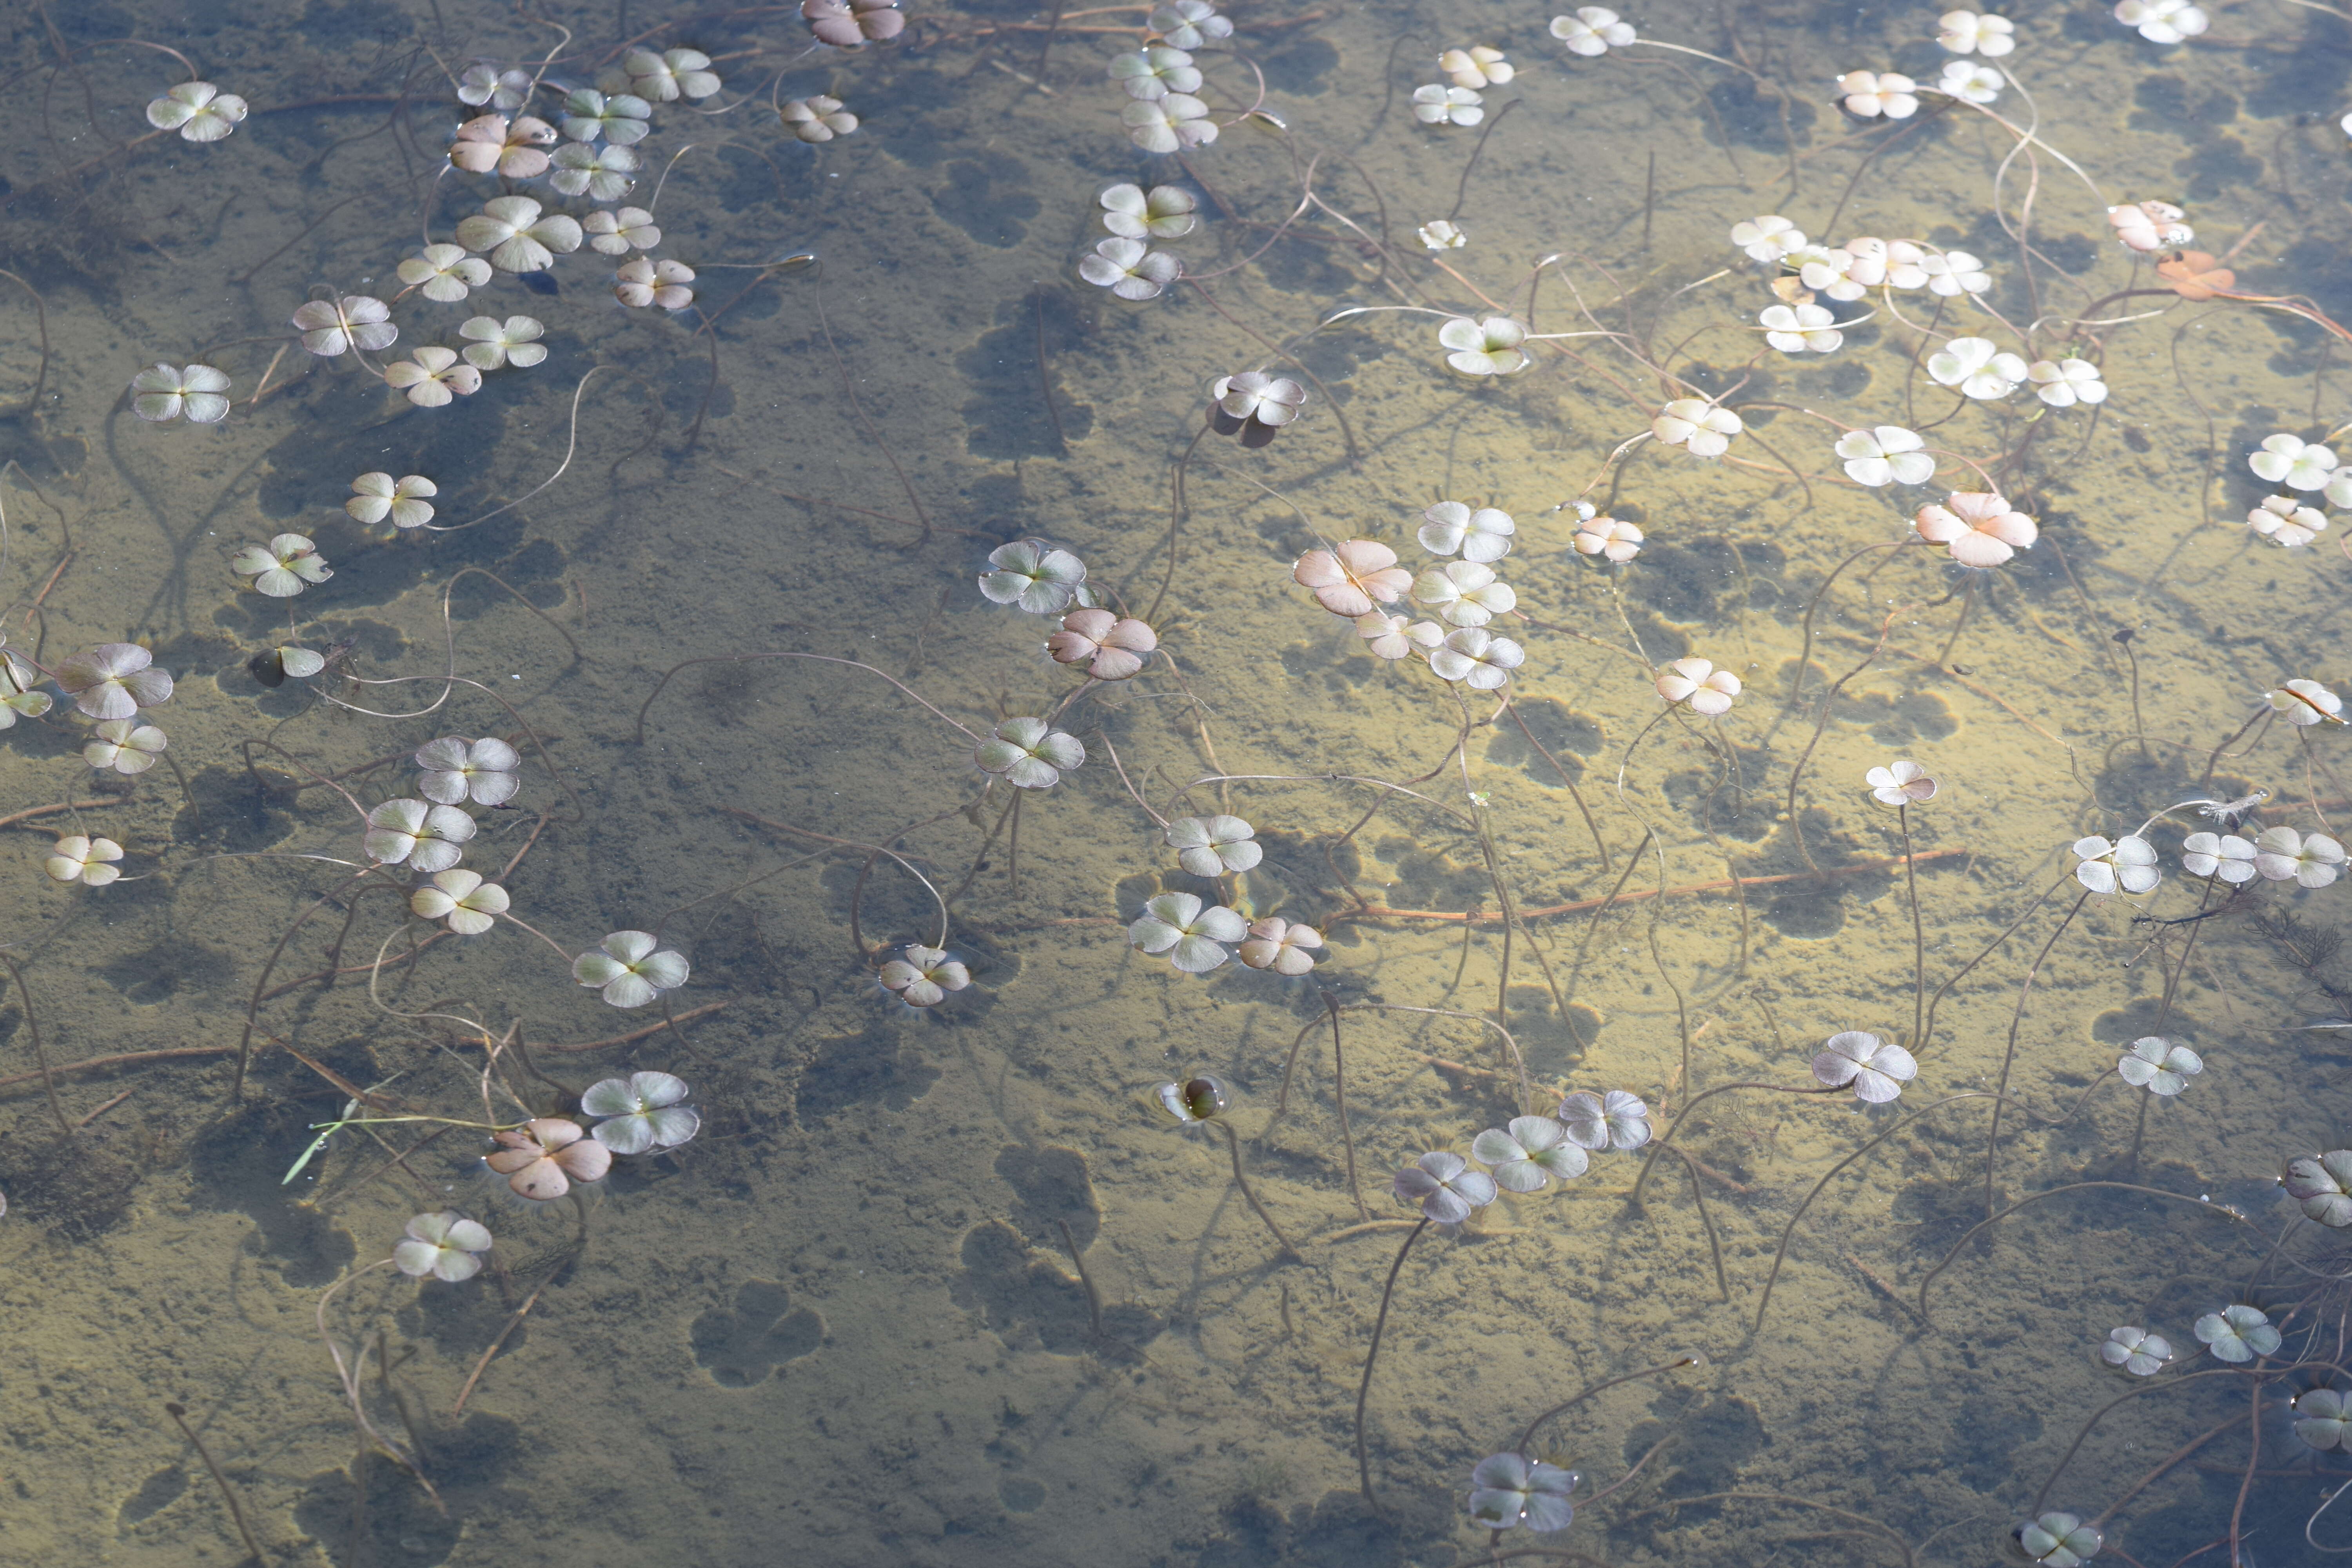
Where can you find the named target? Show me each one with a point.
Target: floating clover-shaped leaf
(443, 273)
(1463, 593)
(818, 118)
(1508, 1490)
(2222, 855)
(600, 173)
(1965, 32)
(126, 748)
(518, 234)
(2128, 864)
(445, 1246)
(427, 837)
(487, 144)
(492, 343)
(1886, 453)
(1033, 575)
(1167, 212)
(1111, 646)
(1619, 1120)
(198, 110)
(1212, 846)
(1349, 579)
(1696, 684)
(1148, 75)
(1192, 935)
(18, 696)
(1450, 528)
(1769, 239)
(672, 74)
(2283, 855)
(2237, 1332)
(1477, 66)
(163, 392)
(1591, 31)
(1976, 367)
(2305, 702)
(644, 1110)
(2286, 523)
(2289, 460)
(2136, 1350)
(506, 90)
(922, 976)
(620, 230)
(114, 680)
(1168, 124)
(1903, 783)
(1800, 329)
(1877, 1069)
(2321, 1183)
(333, 327)
(630, 967)
(376, 497)
(455, 770)
(470, 905)
(542, 1158)
(1869, 94)
(1286, 947)
(641, 280)
(1529, 1153)
(1255, 397)
(1027, 753)
(2063, 383)
(1129, 269)
(1697, 427)
(1478, 658)
(2156, 1065)
(1612, 539)
(623, 119)
(283, 567)
(432, 376)
(1440, 103)
(851, 23)
(2162, 21)
(78, 858)
(1188, 23)
(1487, 346)
(2322, 1419)
(1444, 1186)
(2058, 1541)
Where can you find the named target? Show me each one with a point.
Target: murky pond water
(740, 402)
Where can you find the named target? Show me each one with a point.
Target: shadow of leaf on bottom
(1026, 1299)
(743, 1346)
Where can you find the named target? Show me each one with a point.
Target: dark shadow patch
(985, 198)
(744, 1345)
(1987, 1437)
(1026, 1300)
(870, 1068)
(1568, 735)
(160, 1491)
(167, 969)
(1019, 1494)
(79, 1188)
(234, 813)
(1050, 1185)
(239, 1163)
(1299, 67)
(1344, 1532)
(1700, 583)
(1752, 117)
(1552, 1049)
(1426, 878)
(1899, 720)
(1010, 371)
(1715, 1435)
(465, 1462)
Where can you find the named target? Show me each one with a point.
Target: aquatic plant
(2225, 855)
(446, 1246)
(1696, 684)
(283, 567)
(1966, 32)
(2285, 521)
(2237, 1332)
(2058, 1541)
(1130, 269)
(2126, 864)
(1770, 238)
(1509, 1490)
(1284, 946)
(1976, 528)
(1390, 637)
(1192, 933)
(1525, 1156)
(2062, 383)
(2302, 702)
(2289, 460)
(1971, 83)
(1977, 367)
(1869, 94)
(2136, 1350)
(273, 666)
(1150, 74)
(1696, 425)
(1901, 783)
(1170, 124)
(642, 281)
(600, 173)
(1028, 754)
(923, 976)
(1351, 577)
(1443, 234)
(505, 90)
(460, 898)
(2162, 21)
(1254, 397)
(1188, 23)
(444, 273)
(1610, 538)
(1165, 212)
(616, 231)
(1479, 66)
(1478, 658)
(817, 119)
(1591, 31)
(491, 343)
(114, 680)
(852, 24)
(2150, 227)
(2158, 1065)
(2322, 1419)
(198, 110)
(2321, 1185)
(518, 234)
(432, 376)
(1488, 345)
(78, 858)
(1213, 846)
(1445, 1186)
(1618, 1119)
(1033, 575)
(622, 119)
(491, 144)
(1450, 528)
(333, 326)
(1437, 103)
(2284, 855)
(379, 498)
(642, 1112)
(1463, 593)
(118, 744)
(1875, 1069)
(630, 968)
(18, 699)
(1112, 648)
(544, 1156)
(164, 392)
(426, 838)
(668, 75)
(1800, 329)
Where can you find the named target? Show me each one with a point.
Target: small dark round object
(541, 282)
(1204, 1098)
(268, 666)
